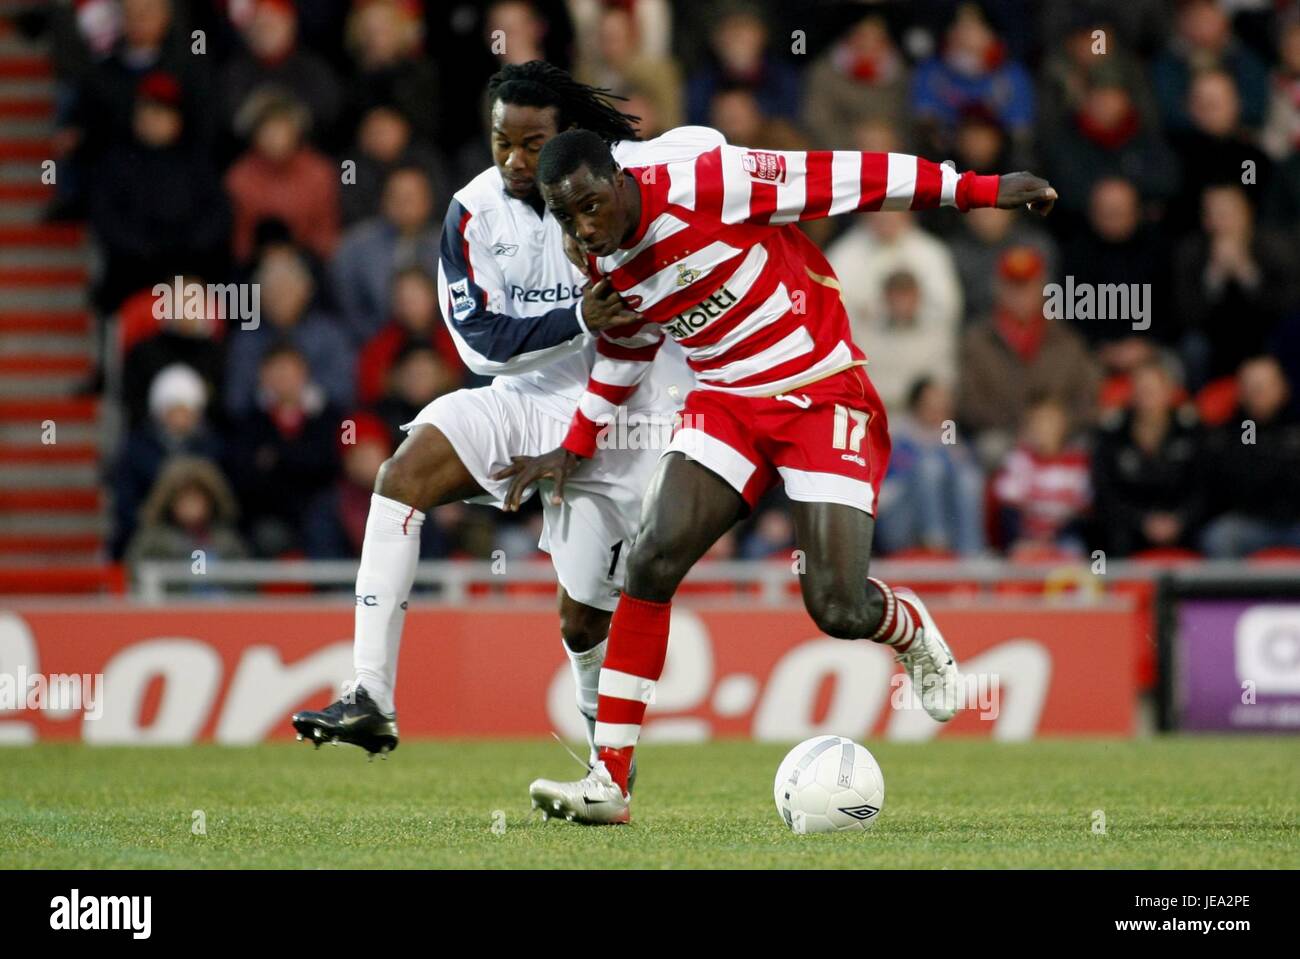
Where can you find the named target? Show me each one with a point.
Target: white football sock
(388, 556)
(586, 680)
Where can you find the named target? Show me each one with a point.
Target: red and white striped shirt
(717, 264)
(1049, 491)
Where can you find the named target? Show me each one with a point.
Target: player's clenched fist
(1025, 189)
(602, 307)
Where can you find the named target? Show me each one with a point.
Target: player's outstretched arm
(781, 186)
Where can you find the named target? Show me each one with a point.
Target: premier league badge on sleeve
(462, 301)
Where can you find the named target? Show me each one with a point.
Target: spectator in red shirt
(282, 177)
(415, 318)
(1044, 488)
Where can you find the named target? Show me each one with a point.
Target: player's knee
(390, 479)
(654, 570)
(399, 480)
(841, 621)
(837, 615)
(583, 627)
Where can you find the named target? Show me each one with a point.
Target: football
(828, 784)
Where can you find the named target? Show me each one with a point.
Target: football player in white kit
(519, 310)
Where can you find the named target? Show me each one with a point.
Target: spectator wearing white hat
(177, 425)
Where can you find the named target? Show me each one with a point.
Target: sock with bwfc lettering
(389, 552)
(634, 661)
(899, 620)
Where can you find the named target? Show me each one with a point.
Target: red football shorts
(828, 442)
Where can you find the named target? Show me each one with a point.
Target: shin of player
(638, 646)
(389, 555)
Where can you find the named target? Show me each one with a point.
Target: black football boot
(354, 719)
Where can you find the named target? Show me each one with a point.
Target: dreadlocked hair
(539, 84)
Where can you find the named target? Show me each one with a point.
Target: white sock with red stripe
(638, 645)
(899, 620)
(388, 556)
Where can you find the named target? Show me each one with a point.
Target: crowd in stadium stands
(311, 146)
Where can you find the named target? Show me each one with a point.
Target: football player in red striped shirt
(707, 251)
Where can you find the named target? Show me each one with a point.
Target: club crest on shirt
(764, 166)
(686, 275)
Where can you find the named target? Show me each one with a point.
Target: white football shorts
(589, 535)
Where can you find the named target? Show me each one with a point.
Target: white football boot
(595, 799)
(930, 664)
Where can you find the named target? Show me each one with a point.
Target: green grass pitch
(1168, 803)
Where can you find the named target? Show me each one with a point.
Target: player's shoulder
(482, 198)
(679, 143)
